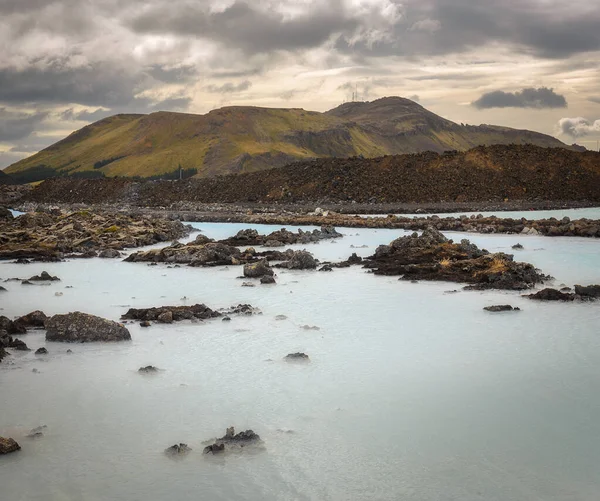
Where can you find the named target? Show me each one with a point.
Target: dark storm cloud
(176, 74)
(244, 26)
(16, 125)
(55, 81)
(526, 98)
(229, 88)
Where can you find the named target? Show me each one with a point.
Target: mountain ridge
(237, 139)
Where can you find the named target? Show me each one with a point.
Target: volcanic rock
(500, 307)
(8, 445)
(80, 327)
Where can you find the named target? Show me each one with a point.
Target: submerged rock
(8, 445)
(37, 432)
(297, 357)
(145, 323)
(41, 351)
(267, 280)
(80, 327)
(500, 307)
(518, 247)
(178, 450)
(231, 440)
(3, 353)
(149, 369)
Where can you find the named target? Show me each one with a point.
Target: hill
(482, 174)
(247, 139)
(5, 178)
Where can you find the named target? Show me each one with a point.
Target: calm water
(411, 394)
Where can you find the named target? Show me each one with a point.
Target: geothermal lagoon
(412, 392)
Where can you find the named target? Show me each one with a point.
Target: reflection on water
(411, 393)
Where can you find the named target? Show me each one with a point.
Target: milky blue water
(412, 392)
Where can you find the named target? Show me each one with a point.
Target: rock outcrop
(169, 314)
(297, 357)
(80, 327)
(52, 236)
(432, 256)
(44, 277)
(280, 238)
(549, 294)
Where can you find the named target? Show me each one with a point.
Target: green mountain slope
(246, 139)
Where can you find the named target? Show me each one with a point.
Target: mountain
(245, 139)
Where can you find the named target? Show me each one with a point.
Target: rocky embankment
(44, 236)
(432, 256)
(483, 174)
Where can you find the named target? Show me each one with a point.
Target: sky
(531, 64)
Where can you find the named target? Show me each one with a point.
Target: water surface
(412, 392)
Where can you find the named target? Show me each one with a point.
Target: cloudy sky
(522, 63)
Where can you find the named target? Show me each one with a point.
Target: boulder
(354, 259)
(302, 260)
(588, 291)
(44, 277)
(6, 324)
(17, 344)
(501, 307)
(267, 280)
(8, 445)
(80, 327)
(518, 247)
(41, 351)
(35, 319)
(259, 269)
(145, 323)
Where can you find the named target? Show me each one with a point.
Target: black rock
(297, 357)
(214, 448)
(267, 280)
(501, 307)
(325, 267)
(551, 295)
(41, 351)
(178, 450)
(44, 277)
(588, 291)
(518, 247)
(149, 369)
(17, 344)
(145, 323)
